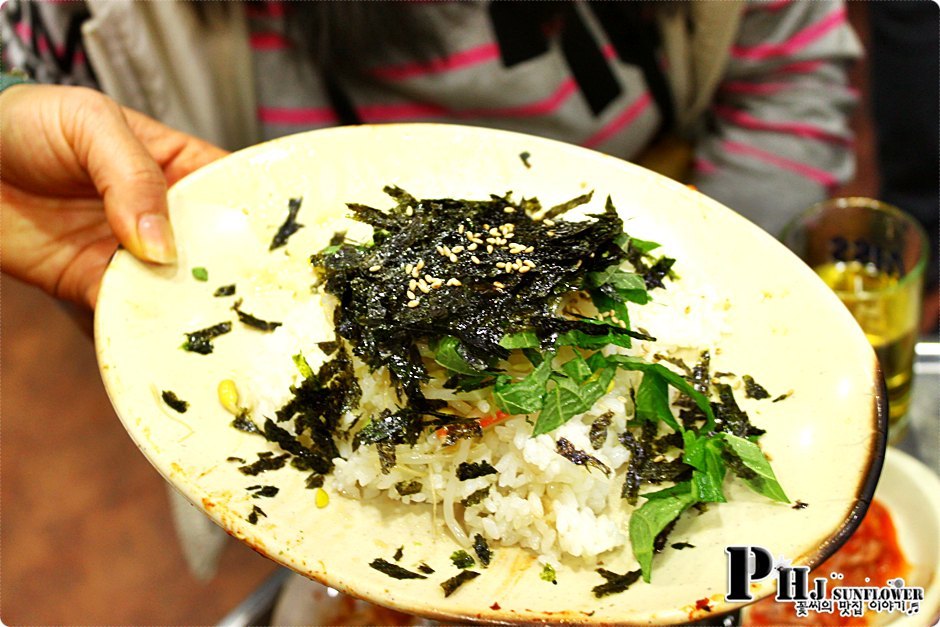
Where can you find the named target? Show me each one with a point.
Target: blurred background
(86, 532)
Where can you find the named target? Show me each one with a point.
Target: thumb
(124, 173)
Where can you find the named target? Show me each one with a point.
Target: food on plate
(871, 557)
(535, 379)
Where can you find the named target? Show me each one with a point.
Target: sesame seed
(530, 249)
(509, 234)
(410, 295)
(429, 278)
(486, 227)
(457, 249)
(412, 284)
(409, 268)
(437, 284)
(529, 263)
(494, 232)
(509, 210)
(472, 246)
(452, 258)
(500, 264)
(475, 259)
(375, 268)
(454, 282)
(550, 233)
(446, 250)
(413, 303)
(420, 264)
(490, 240)
(549, 222)
(460, 229)
(489, 248)
(498, 285)
(424, 287)
(439, 249)
(524, 269)
(409, 212)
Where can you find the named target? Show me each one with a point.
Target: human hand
(79, 175)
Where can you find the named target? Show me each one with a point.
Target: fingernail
(156, 237)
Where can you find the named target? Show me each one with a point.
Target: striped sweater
(774, 140)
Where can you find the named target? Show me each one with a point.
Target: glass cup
(872, 255)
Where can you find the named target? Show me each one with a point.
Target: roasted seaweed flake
(235, 460)
(253, 321)
(615, 582)
(475, 498)
(407, 488)
(567, 450)
(482, 549)
(783, 396)
(461, 559)
(255, 512)
(314, 481)
(799, 505)
(266, 461)
(458, 580)
(399, 552)
(598, 433)
(472, 470)
(424, 568)
(731, 418)
(466, 429)
(224, 290)
(387, 458)
(290, 225)
(752, 389)
(682, 545)
(524, 156)
(174, 402)
(244, 423)
(393, 570)
(201, 341)
(266, 491)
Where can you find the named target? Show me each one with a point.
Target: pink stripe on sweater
(800, 129)
(800, 67)
(796, 43)
(806, 171)
(269, 41)
(296, 116)
(753, 89)
(405, 111)
(704, 166)
(25, 33)
(456, 61)
(265, 9)
(621, 122)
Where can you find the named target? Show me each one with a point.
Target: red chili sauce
(872, 552)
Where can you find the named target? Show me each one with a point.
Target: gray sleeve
(44, 40)
(778, 135)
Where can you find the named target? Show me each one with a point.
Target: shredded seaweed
(615, 582)
(799, 505)
(244, 423)
(387, 458)
(290, 225)
(235, 460)
(472, 470)
(266, 491)
(174, 402)
(201, 341)
(475, 498)
(255, 512)
(567, 450)
(524, 156)
(451, 585)
(266, 461)
(682, 545)
(253, 321)
(394, 570)
(783, 396)
(752, 389)
(399, 552)
(482, 549)
(224, 290)
(406, 488)
(598, 433)
(314, 480)
(730, 417)
(424, 568)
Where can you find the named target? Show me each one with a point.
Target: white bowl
(787, 329)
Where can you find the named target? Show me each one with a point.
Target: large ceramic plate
(785, 328)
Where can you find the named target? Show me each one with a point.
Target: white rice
(538, 499)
